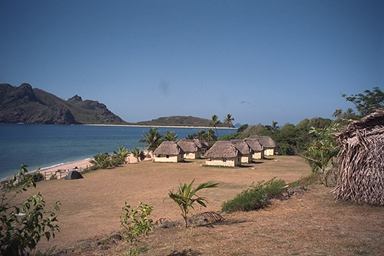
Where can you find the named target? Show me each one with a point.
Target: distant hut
(223, 153)
(361, 161)
(244, 149)
(269, 145)
(257, 151)
(168, 152)
(190, 149)
(202, 145)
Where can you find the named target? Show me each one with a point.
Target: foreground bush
(255, 197)
(136, 223)
(22, 225)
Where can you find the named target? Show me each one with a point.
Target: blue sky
(258, 60)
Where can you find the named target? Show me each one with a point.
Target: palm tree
(121, 153)
(214, 121)
(228, 120)
(170, 136)
(186, 197)
(152, 139)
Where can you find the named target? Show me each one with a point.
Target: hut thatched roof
(200, 143)
(265, 141)
(254, 144)
(361, 161)
(222, 149)
(188, 146)
(242, 146)
(169, 148)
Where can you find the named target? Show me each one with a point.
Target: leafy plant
(101, 161)
(24, 224)
(255, 197)
(186, 197)
(120, 154)
(228, 120)
(136, 222)
(322, 150)
(152, 139)
(170, 136)
(139, 154)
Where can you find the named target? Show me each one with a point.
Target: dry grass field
(311, 224)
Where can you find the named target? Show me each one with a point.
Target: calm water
(46, 145)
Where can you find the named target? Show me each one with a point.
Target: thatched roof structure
(188, 146)
(201, 143)
(222, 149)
(361, 161)
(254, 144)
(169, 148)
(265, 141)
(242, 146)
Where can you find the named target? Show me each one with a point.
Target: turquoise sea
(44, 145)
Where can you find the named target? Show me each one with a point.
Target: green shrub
(136, 223)
(255, 197)
(36, 176)
(23, 224)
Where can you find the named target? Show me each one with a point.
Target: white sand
(60, 170)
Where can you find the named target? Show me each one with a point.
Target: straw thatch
(222, 149)
(201, 144)
(254, 144)
(169, 148)
(265, 141)
(188, 146)
(242, 146)
(361, 161)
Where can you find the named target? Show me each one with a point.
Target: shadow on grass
(185, 252)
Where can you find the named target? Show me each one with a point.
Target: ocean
(40, 146)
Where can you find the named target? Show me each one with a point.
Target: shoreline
(55, 168)
(163, 126)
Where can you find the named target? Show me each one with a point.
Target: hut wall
(269, 152)
(170, 159)
(246, 159)
(195, 155)
(257, 155)
(220, 162)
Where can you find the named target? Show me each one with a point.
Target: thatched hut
(257, 151)
(190, 149)
(245, 151)
(202, 145)
(223, 153)
(269, 145)
(168, 152)
(361, 161)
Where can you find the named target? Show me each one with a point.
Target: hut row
(222, 153)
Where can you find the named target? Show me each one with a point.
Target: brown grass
(309, 225)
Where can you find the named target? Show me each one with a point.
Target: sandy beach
(60, 170)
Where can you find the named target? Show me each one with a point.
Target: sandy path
(92, 206)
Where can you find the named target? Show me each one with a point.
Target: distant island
(25, 104)
(179, 121)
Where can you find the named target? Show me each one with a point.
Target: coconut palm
(214, 121)
(139, 154)
(170, 136)
(120, 154)
(186, 197)
(228, 120)
(152, 139)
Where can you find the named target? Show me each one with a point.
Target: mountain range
(25, 104)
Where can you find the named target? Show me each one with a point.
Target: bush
(255, 197)
(22, 225)
(36, 176)
(136, 223)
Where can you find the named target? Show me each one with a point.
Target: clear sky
(258, 60)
